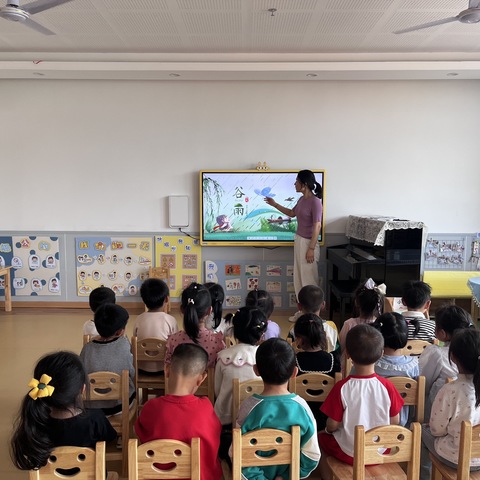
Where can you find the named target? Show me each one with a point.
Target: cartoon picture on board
(54, 285)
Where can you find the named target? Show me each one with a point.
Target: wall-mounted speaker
(178, 211)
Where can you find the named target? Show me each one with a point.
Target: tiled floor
(27, 334)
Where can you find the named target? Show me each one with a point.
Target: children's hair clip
(40, 388)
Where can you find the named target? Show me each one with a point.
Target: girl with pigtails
(456, 401)
(52, 413)
(196, 307)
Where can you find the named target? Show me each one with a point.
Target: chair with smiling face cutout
(79, 463)
(278, 448)
(164, 459)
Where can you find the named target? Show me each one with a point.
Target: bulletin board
(238, 278)
(183, 256)
(459, 252)
(120, 263)
(36, 265)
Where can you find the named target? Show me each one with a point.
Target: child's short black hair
(99, 296)
(452, 317)
(364, 344)
(416, 294)
(393, 328)
(249, 324)
(260, 299)
(109, 319)
(189, 359)
(275, 359)
(154, 292)
(311, 298)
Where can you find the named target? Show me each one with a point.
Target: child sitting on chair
(435, 364)
(52, 413)
(313, 357)
(456, 401)
(262, 300)
(181, 415)
(155, 323)
(311, 299)
(393, 363)
(110, 352)
(277, 408)
(98, 296)
(196, 306)
(361, 399)
(416, 297)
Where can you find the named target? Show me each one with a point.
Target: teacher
(308, 210)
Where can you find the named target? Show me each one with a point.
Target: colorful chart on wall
(183, 256)
(35, 262)
(120, 263)
(445, 252)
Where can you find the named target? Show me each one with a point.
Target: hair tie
(40, 389)
(195, 286)
(381, 324)
(190, 300)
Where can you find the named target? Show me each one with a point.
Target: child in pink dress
(196, 307)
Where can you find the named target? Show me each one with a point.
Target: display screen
(233, 210)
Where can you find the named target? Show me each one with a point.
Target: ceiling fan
(470, 15)
(14, 13)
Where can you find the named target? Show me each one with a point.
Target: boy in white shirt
(154, 323)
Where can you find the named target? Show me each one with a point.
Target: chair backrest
(148, 350)
(86, 339)
(347, 365)
(413, 393)
(243, 390)
(285, 447)
(88, 463)
(230, 341)
(312, 387)
(180, 460)
(416, 347)
(469, 448)
(403, 446)
(293, 344)
(112, 386)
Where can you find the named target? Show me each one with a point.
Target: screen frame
(320, 176)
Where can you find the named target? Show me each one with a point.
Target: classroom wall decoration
(36, 265)
(237, 279)
(182, 255)
(121, 263)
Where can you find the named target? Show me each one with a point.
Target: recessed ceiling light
(174, 74)
(312, 75)
(452, 74)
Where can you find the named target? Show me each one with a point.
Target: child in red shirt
(181, 415)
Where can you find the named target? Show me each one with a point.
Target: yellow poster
(183, 256)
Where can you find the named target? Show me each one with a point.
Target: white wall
(103, 155)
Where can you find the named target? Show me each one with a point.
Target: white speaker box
(178, 211)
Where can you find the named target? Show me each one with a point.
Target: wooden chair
(313, 387)
(112, 386)
(403, 444)
(230, 341)
(469, 447)
(243, 390)
(416, 347)
(413, 393)
(206, 389)
(163, 273)
(86, 339)
(148, 349)
(182, 460)
(286, 447)
(347, 365)
(293, 344)
(80, 463)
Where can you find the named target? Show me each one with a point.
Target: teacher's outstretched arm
(280, 208)
(310, 255)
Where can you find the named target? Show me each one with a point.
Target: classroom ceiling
(243, 39)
